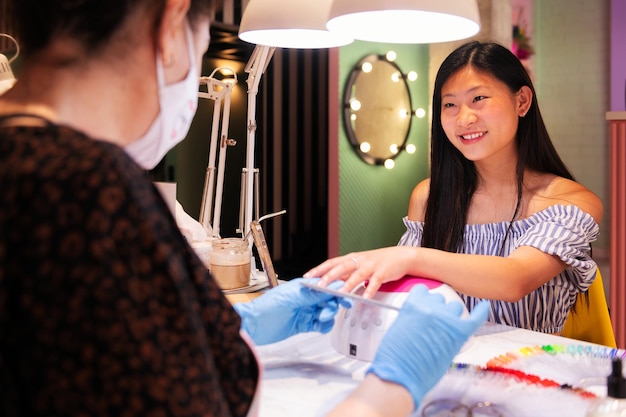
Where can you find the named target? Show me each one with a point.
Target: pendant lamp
(405, 21)
(290, 24)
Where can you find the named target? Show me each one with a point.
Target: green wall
(372, 199)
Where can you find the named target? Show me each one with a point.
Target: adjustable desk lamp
(306, 24)
(7, 79)
(309, 24)
(220, 91)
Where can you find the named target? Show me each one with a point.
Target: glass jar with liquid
(230, 260)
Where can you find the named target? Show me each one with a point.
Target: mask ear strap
(190, 46)
(171, 60)
(160, 64)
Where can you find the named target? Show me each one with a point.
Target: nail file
(349, 295)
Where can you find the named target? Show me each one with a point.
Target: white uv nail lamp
(359, 330)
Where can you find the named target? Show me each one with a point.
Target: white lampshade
(289, 24)
(405, 21)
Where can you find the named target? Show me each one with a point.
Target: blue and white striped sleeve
(567, 232)
(413, 234)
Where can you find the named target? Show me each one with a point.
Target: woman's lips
(472, 136)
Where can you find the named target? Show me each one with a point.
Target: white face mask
(178, 103)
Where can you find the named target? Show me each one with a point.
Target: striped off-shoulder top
(564, 231)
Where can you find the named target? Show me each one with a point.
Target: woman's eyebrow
(468, 91)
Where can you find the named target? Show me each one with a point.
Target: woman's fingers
(376, 267)
(339, 268)
(321, 269)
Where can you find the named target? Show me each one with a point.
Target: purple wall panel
(618, 55)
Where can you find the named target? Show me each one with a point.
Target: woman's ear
(524, 100)
(171, 29)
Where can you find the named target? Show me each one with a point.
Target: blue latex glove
(419, 346)
(289, 309)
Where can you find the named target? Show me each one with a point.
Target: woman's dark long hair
(453, 178)
(90, 23)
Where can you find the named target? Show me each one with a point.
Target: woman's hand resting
(375, 266)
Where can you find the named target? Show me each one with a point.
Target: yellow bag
(591, 321)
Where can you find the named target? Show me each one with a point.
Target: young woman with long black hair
(501, 217)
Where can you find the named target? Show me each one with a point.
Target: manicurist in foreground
(105, 309)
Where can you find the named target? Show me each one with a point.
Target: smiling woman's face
(479, 114)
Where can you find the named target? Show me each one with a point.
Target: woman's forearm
(375, 398)
(494, 277)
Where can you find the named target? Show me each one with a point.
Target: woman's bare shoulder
(419, 197)
(558, 190)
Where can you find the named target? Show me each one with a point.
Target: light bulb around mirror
(396, 77)
(367, 67)
(411, 76)
(420, 113)
(410, 148)
(391, 56)
(355, 105)
(365, 147)
(393, 149)
(389, 163)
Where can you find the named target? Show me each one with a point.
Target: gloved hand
(289, 309)
(419, 346)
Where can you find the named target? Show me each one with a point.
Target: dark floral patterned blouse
(104, 308)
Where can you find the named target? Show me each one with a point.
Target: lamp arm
(209, 182)
(224, 143)
(260, 59)
(220, 92)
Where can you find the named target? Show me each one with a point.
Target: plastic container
(614, 405)
(203, 250)
(359, 330)
(230, 261)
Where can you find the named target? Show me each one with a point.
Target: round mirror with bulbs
(377, 109)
